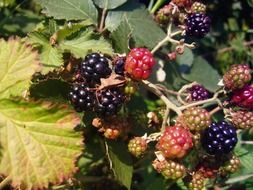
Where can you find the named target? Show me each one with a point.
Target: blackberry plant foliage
(123, 94)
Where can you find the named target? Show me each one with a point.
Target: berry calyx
(81, 97)
(242, 119)
(175, 142)
(219, 138)
(195, 118)
(197, 25)
(243, 97)
(109, 101)
(94, 67)
(198, 7)
(237, 77)
(139, 63)
(137, 146)
(198, 92)
(169, 169)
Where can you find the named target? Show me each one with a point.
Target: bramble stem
(102, 21)
(152, 87)
(165, 119)
(5, 182)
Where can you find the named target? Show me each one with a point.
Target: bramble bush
(126, 94)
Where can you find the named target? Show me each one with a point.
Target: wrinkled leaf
(88, 41)
(70, 9)
(18, 62)
(38, 143)
(109, 4)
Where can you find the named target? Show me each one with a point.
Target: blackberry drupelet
(109, 102)
(198, 92)
(94, 67)
(81, 97)
(197, 25)
(119, 66)
(219, 138)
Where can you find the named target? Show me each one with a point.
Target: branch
(152, 87)
(5, 182)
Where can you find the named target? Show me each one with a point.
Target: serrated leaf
(121, 162)
(200, 71)
(88, 41)
(121, 37)
(70, 9)
(38, 143)
(145, 31)
(51, 58)
(18, 62)
(109, 4)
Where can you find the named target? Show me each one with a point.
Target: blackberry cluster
(197, 25)
(119, 66)
(219, 138)
(109, 102)
(82, 97)
(198, 92)
(94, 67)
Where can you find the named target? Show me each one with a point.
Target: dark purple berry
(119, 66)
(219, 138)
(94, 67)
(109, 102)
(81, 97)
(197, 25)
(198, 92)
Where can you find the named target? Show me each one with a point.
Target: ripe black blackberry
(109, 102)
(198, 92)
(197, 25)
(119, 66)
(219, 138)
(81, 97)
(94, 67)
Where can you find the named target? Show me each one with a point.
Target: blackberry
(137, 146)
(198, 92)
(119, 66)
(81, 97)
(94, 67)
(197, 182)
(197, 25)
(219, 138)
(242, 119)
(243, 97)
(109, 102)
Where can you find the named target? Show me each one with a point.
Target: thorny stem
(152, 87)
(5, 182)
(102, 21)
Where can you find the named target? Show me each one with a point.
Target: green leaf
(18, 62)
(38, 143)
(121, 162)
(88, 41)
(145, 31)
(121, 37)
(51, 58)
(203, 73)
(109, 4)
(70, 9)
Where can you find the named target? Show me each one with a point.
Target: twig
(165, 119)
(102, 21)
(152, 87)
(5, 182)
(215, 110)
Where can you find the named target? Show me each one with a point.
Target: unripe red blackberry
(137, 146)
(198, 92)
(139, 63)
(197, 25)
(237, 77)
(182, 3)
(169, 169)
(243, 97)
(198, 7)
(231, 166)
(242, 119)
(197, 182)
(175, 142)
(195, 118)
